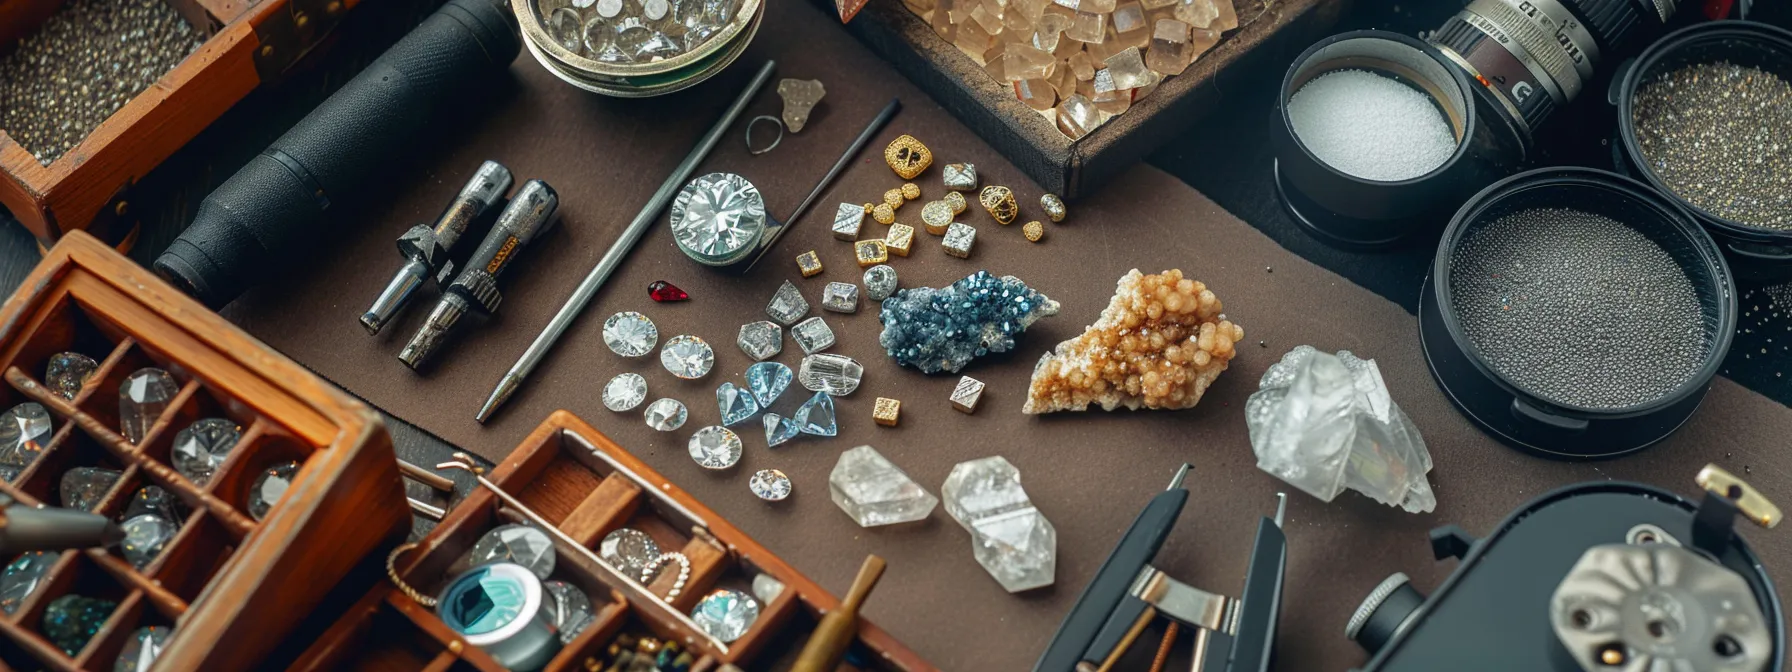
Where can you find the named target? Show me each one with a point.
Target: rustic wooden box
(248, 42)
(577, 480)
(231, 587)
(1270, 31)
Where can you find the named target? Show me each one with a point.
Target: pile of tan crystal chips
(1080, 62)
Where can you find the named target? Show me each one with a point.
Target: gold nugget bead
(809, 263)
(911, 191)
(894, 198)
(1000, 203)
(1034, 230)
(908, 157)
(956, 201)
(884, 214)
(887, 411)
(870, 252)
(899, 239)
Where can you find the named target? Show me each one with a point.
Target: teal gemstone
(816, 416)
(768, 380)
(779, 429)
(737, 405)
(72, 620)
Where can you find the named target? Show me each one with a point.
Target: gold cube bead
(870, 252)
(1000, 203)
(887, 411)
(900, 238)
(809, 263)
(1033, 230)
(956, 201)
(911, 191)
(884, 214)
(907, 156)
(894, 198)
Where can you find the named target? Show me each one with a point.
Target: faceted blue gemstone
(778, 429)
(816, 416)
(736, 404)
(768, 380)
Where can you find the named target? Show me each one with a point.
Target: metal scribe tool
(426, 249)
(529, 214)
(594, 281)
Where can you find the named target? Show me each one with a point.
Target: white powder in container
(1370, 126)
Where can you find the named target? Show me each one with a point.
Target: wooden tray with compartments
(247, 42)
(229, 585)
(578, 481)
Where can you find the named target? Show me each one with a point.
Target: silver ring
(766, 117)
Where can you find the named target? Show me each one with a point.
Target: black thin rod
(852, 152)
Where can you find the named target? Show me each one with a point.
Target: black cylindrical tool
(426, 249)
(529, 214)
(271, 214)
(25, 528)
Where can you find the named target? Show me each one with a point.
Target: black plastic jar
(1759, 255)
(1526, 420)
(1353, 212)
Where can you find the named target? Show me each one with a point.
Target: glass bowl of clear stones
(637, 48)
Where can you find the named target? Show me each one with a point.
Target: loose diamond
(572, 609)
(737, 404)
(768, 380)
(144, 538)
(875, 492)
(519, 544)
(767, 588)
(718, 218)
(84, 487)
(816, 416)
(72, 620)
(960, 176)
(24, 429)
(142, 649)
(68, 372)
(22, 577)
(779, 429)
(202, 446)
(141, 400)
(837, 375)
(1009, 537)
(714, 447)
(153, 500)
(960, 237)
(726, 614)
(769, 484)
(966, 394)
(813, 335)
(629, 550)
(847, 221)
(269, 487)
(625, 392)
(788, 305)
(630, 334)
(665, 414)
(840, 297)
(761, 340)
(687, 357)
(880, 282)
(665, 292)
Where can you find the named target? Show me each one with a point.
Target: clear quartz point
(767, 381)
(202, 447)
(1009, 537)
(837, 375)
(875, 492)
(1325, 423)
(519, 544)
(24, 429)
(141, 399)
(67, 372)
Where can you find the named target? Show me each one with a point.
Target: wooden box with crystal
(1074, 92)
(639, 576)
(246, 486)
(95, 93)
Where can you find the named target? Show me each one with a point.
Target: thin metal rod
(427, 510)
(630, 584)
(426, 477)
(852, 152)
(613, 258)
(1281, 507)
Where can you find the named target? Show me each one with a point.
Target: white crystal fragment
(875, 492)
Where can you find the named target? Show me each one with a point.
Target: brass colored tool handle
(827, 645)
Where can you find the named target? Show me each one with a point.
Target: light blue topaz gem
(768, 380)
(737, 405)
(816, 416)
(778, 429)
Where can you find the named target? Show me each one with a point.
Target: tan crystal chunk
(1197, 13)
(1159, 344)
(974, 41)
(997, 66)
(1031, 10)
(1077, 117)
(800, 96)
(1128, 68)
(1130, 25)
(1028, 62)
(1087, 6)
(1036, 93)
(1225, 17)
(1088, 28)
(989, 21)
(1170, 50)
(1082, 66)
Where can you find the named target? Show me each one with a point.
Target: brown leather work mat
(1088, 472)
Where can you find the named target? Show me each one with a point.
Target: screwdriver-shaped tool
(529, 214)
(426, 249)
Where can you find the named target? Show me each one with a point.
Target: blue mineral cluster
(943, 329)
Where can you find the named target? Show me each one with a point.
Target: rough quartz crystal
(788, 305)
(82, 488)
(937, 330)
(875, 492)
(841, 297)
(665, 414)
(67, 372)
(1325, 422)
(24, 429)
(630, 334)
(800, 97)
(141, 399)
(518, 544)
(202, 447)
(1009, 537)
(813, 335)
(1077, 116)
(22, 576)
(837, 375)
(1159, 344)
(880, 282)
(1170, 50)
(625, 392)
(687, 357)
(767, 381)
(736, 404)
(761, 340)
(270, 485)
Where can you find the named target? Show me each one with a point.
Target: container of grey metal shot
(1524, 419)
(1353, 212)
(1758, 254)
